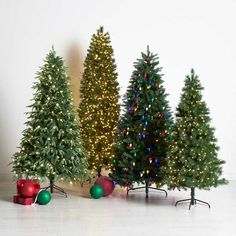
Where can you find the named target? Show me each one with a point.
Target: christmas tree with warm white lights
(51, 146)
(144, 130)
(99, 108)
(192, 157)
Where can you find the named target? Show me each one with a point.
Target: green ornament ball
(96, 191)
(44, 197)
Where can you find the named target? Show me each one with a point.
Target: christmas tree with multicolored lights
(192, 158)
(99, 109)
(143, 133)
(51, 145)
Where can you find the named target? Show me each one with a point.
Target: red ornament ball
(107, 184)
(27, 190)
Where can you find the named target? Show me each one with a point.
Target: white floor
(80, 215)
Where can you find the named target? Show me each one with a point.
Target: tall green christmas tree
(192, 158)
(51, 145)
(99, 108)
(144, 129)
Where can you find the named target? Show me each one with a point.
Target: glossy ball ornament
(44, 197)
(107, 184)
(96, 191)
(27, 190)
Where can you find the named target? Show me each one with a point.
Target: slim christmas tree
(144, 128)
(192, 159)
(99, 108)
(51, 145)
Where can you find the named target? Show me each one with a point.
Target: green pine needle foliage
(51, 145)
(143, 133)
(99, 108)
(192, 158)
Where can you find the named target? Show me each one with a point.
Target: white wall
(185, 34)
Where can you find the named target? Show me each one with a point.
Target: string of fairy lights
(51, 141)
(145, 126)
(192, 158)
(99, 108)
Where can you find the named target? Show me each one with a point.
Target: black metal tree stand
(147, 187)
(53, 187)
(193, 200)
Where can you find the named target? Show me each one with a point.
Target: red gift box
(24, 201)
(21, 182)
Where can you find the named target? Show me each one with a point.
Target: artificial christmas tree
(51, 145)
(192, 158)
(143, 133)
(99, 108)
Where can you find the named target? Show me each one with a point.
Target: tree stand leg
(146, 187)
(99, 171)
(146, 190)
(53, 187)
(193, 200)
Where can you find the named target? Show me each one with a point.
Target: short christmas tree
(51, 146)
(144, 129)
(192, 158)
(99, 108)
